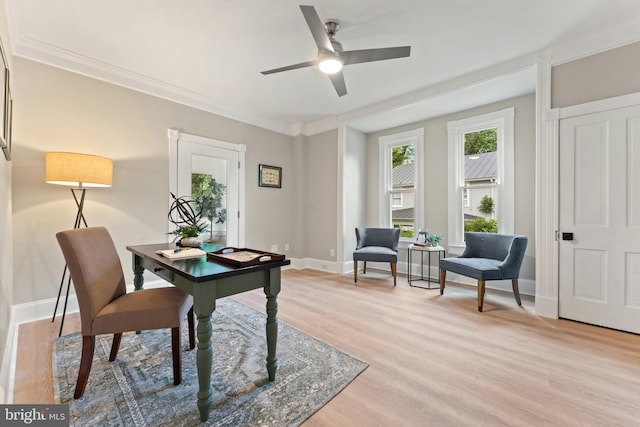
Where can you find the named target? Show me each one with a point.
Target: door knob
(567, 236)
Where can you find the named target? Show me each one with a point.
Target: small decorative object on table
(422, 238)
(187, 217)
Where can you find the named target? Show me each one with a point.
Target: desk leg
(271, 290)
(204, 359)
(138, 269)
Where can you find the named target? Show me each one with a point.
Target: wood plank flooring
(433, 360)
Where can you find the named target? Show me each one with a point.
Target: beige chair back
(95, 269)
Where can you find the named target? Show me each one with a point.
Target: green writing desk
(208, 281)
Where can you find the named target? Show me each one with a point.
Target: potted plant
(186, 214)
(434, 239)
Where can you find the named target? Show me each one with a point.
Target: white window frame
(385, 143)
(503, 121)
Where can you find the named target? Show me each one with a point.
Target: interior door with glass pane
(212, 174)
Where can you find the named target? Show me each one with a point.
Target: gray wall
(601, 76)
(321, 195)
(436, 187)
(60, 111)
(355, 188)
(6, 250)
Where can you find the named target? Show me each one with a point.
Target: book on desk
(182, 253)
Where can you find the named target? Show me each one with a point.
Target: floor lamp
(78, 171)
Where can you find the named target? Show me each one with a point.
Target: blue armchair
(376, 245)
(488, 256)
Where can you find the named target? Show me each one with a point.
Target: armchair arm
(510, 267)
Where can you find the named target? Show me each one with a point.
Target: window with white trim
(401, 182)
(481, 174)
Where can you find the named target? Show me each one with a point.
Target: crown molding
(605, 38)
(52, 55)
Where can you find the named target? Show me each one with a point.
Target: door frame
(176, 135)
(548, 209)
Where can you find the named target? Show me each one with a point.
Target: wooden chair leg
(88, 345)
(516, 291)
(481, 284)
(355, 271)
(393, 272)
(177, 355)
(115, 346)
(443, 276)
(364, 269)
(192, 330)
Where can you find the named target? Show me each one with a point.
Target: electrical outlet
(274, 248)
(333, 252)
(286, 247)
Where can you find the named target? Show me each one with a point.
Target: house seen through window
(480, 180)
(401, 199)
(403, 189)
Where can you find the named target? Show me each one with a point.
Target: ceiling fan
(331, 56)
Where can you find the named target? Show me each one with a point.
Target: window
(401, 158)
(481, 177)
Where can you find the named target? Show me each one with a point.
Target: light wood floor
(433, 360)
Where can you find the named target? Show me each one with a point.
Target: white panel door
(199, 162)
(600, 205)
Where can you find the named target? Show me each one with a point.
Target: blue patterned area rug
(137, 388)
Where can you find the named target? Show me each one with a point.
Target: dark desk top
(199, 269)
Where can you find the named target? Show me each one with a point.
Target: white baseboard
(7, 371)
(317, 264)
(547, 307)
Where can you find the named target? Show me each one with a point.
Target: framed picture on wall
(270, 176)
(8, 119)
(4, 81)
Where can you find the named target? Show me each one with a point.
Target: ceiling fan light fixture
(330, 65)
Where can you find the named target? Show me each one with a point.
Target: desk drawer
(160, 271)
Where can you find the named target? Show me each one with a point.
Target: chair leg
(355, 271)
(393, 271)
(443, 276)
(177, 355)
(192, 330)
(516, 291)
(88, 344)
(480, 294)
(364, 269)
(115, 346)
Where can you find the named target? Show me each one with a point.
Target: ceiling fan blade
(370, 55)
(338, 83)
(317, 28)
(291, 67)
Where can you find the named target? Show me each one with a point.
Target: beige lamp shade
(75, 169)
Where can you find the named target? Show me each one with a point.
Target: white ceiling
(209, 53)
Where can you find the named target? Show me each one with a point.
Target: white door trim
(548, 182)
(174, 136)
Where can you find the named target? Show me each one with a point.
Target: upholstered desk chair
(107, 308)
(376, 245)
(488, 256)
